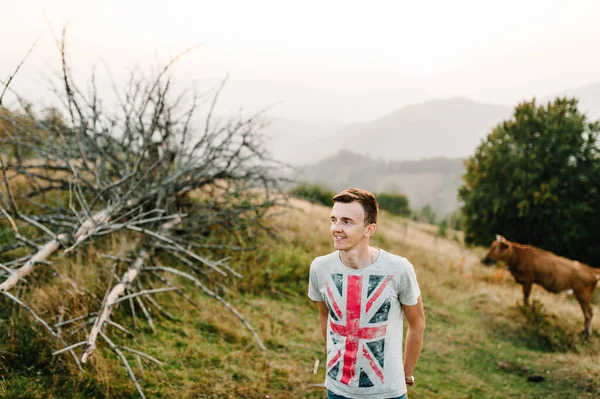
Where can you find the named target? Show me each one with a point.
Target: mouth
(488, 261)
(338, 237)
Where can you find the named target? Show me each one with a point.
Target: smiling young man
(361, 292)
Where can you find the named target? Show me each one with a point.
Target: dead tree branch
(111, 299)
(150, 173)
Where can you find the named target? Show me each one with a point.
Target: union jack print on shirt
(358, 309)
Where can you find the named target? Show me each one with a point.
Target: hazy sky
(337, 60)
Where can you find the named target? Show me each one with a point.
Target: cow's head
(501, 250)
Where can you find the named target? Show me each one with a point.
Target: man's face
(348, 225)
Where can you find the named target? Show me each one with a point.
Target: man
(361, 292)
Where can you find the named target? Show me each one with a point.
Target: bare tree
(142, 169)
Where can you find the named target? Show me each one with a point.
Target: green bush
(396, 204)
(443, 228)
(455, 220)
(318, 193)
(427, 215)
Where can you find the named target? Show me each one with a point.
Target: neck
(512, 260)
(358, 258)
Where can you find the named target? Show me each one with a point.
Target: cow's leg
(526, 292)
(584, 297)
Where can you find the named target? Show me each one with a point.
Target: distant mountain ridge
(450, 128)
(588, 96)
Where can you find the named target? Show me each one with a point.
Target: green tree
(396, 204)
(443, 228)
(427, 214)
(455, 220)
(536, 180)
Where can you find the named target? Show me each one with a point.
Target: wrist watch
(409, 380)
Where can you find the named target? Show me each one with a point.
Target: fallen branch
(73, 320)
(144, 355)
(125, 363)
(68, 348)
(119, 327)
(27, 268)
(146, 312)
(51, 246)
(145, 292)
(111, 298)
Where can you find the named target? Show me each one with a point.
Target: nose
(335, 226)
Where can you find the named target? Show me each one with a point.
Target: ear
(371, 230)
(504, 244)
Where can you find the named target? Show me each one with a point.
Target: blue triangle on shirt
(334, 371)
(364, 380)
(382, 313)
(377, 348)
(338, 279)
(373, 283)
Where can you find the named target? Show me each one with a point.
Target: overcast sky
(319, 60)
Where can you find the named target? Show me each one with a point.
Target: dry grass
(451, 275)
(475, 322)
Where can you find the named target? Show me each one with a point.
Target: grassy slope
(479, 342)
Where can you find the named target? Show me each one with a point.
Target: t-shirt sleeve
(409, 287)
(313, 284)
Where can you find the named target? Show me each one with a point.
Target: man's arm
(415, 316)
(323, 315)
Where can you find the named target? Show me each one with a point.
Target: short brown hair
(364, 198)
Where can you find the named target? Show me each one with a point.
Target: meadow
(480, 342)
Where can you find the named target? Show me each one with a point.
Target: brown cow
(530, 265)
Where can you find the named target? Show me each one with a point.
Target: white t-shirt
(364, 327)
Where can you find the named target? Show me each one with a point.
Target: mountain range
(418, 150)
(451, 127)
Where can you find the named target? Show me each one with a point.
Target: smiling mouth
(338, 237)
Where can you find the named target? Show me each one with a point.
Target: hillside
(589, 98)
(479, 342)
(433, 181)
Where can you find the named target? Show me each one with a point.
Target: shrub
(318, 193)
(396, 204)
(443, 228)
